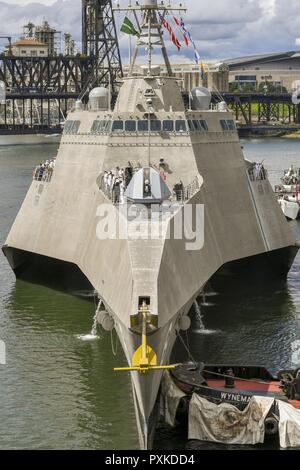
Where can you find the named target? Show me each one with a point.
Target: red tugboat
(236, 385)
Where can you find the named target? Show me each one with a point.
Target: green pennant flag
(128, 27)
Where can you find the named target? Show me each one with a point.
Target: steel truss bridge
(42, 102)
(260, 113)
(255, 108)
(40, 91)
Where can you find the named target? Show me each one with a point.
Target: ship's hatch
(147, 187)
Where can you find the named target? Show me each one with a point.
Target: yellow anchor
(144, 359)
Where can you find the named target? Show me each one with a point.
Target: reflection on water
(58, 391)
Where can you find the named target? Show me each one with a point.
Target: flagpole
(130, 43)
(109, 92)
(190, 98)
(149, 44)
(149, 138)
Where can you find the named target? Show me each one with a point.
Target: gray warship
(156, 155)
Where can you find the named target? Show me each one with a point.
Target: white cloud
(268, 8)
(65, 15)
(26, 2)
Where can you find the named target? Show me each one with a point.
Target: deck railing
(258, 173)
(43, 174)
(180, 193)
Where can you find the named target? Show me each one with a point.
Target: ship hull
(269, 266)
(66, 276)
(46, 271)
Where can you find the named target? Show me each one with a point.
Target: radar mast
(150, 26)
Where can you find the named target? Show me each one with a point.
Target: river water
(58, 391)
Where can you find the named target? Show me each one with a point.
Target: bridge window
(168, 126)
(107, 126)
(101, 126)
(118, 126)
(231, 125)
(143, 126)
(224, 125)
(197, 125)
(227, 125)
(180, 126)
(203, 125)
(155, 125)
(130, 126)
(191, 126)
(94, 127)
(71, 127)
(67, 127)
(75, 127)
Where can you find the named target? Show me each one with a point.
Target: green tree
(269, 87)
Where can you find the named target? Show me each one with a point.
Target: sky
(221, 28)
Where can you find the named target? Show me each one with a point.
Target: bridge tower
(100, 43)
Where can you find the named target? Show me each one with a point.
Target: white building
(216, 75)
(280, 69)
(28, 48)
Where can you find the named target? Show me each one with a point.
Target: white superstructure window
(181, 126)
(130, 126)
(71, 127)
(197, 125)
(168, 126)
(228, 124)
(118, 127)
(155, 125)
(143, 126)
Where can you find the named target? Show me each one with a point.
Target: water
(93, 335)
(201, 329)
(58, 391)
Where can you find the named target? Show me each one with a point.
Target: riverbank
(33, 139)
(293, 135)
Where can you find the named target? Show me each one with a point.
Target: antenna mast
(150, 29)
